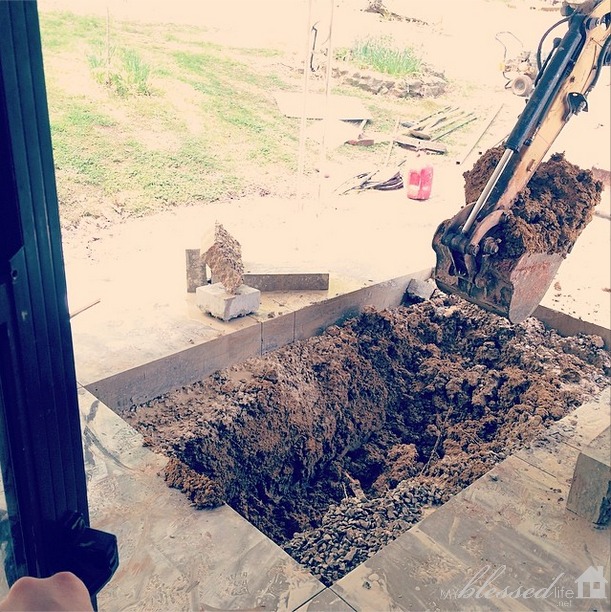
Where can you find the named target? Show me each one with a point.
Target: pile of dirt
(392, 411)
(549, 214)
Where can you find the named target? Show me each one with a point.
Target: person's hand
(61, 592)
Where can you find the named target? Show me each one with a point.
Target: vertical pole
(328, 76)
(306, 80)
(107, 46)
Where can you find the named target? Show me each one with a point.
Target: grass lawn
(147, 117)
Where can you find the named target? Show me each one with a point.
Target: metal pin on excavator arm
(466, 245)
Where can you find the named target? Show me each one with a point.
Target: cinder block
(287, 281)
(217, 301)
(590, 494)
(196, 270)
(421, 290)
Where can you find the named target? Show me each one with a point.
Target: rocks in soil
(420, 290)
(351, 433)
(201, 490)
(356, 528)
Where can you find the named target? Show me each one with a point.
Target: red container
(420, 183)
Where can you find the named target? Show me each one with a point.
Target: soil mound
(549, 214)
(392, 411)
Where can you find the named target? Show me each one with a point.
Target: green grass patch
(213, 65)
(91, 150)
(122, 71)
(191, 174)
(382, 54)
(147, 151)
(238, 102)
(81, 145)
(256, 52)
(65, 31)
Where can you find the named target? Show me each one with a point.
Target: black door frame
(42, 453)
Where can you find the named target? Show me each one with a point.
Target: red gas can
(420, 183)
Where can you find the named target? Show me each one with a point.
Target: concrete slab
(197, 276)
(585, 423)
(287, 281)
(277, 332)
(514, 518)
(590, 493)
(406, 575)
(312, 320)
(143, 382)
(421, 289)
(327, 601)
(552, 455)
(511, 517)
(556, 451)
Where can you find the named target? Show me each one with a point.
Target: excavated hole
(335, 445)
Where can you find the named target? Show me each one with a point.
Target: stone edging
(428, 85)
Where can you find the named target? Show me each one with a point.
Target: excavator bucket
(512, 288)
(507, 259)
(503, 250)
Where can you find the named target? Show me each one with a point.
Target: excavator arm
(467, 245)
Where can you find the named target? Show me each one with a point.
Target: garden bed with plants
(381, 66)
